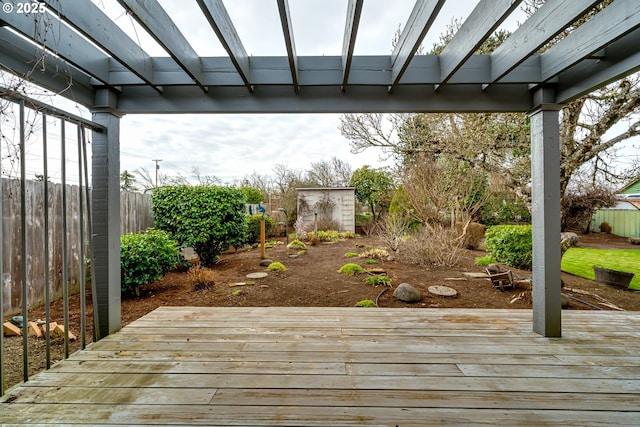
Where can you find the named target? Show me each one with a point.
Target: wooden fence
(624, 223)
(136, 215)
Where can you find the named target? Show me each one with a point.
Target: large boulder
(407, 293)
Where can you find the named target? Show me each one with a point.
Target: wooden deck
(344, 367)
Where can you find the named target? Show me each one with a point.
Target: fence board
(135, 213)
(625, 223)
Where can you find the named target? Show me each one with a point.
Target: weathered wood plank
(357, 382)
(309, 416)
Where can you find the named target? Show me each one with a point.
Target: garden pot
(618, 279)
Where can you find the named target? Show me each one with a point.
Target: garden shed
(327, 206)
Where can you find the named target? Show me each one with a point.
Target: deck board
(343, 367)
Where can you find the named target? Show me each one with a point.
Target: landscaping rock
(407, 293)
(265, 262)
(564, 300)
(443, 291)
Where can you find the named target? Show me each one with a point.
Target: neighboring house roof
(624, 205)
(631, 188)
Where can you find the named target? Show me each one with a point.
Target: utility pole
(157, 167)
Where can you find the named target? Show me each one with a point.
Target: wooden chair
(501, 280)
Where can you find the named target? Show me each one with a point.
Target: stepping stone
(259, 275)
(443, 291)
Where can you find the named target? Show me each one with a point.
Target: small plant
(201, 277)
(374, 253)
(297, 244)
(371, 261)
(485, 260)
(351, 254)
(366, 303)
(380, 280)
(314, 241)
(276, 266)
(236, 292)
(302, 252)
(351, 269)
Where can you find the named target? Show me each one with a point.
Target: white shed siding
(343, 211)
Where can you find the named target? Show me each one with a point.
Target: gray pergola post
(105, 205)
(545, 174)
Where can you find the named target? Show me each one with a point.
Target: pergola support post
(105, 205)
(545, 214)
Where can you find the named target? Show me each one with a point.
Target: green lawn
(580, 262)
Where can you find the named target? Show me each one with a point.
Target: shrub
(297, 244)
(276, 266)
(201, 277)
(473, 235)
(145, 257)
(510, 244)
(351, 254)
(366, 303)
(374, 253)
(437, 246)
(605, 227)
(351, 269)
(208, 218)
(381, 280)
(325, 224)
(371, 261)
(253, 227)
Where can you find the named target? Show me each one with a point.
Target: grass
(580, 262)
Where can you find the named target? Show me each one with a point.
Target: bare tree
(330, 173)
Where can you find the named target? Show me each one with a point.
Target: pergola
(86, 57)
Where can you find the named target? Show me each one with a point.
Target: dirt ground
(312, 279)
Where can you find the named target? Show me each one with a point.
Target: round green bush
(510, 244)
(366, 303)
(253, 227)
(297, 244)
(276, 266)
(145, 257)
(351, 269)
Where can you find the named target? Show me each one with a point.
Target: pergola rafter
(102, 68)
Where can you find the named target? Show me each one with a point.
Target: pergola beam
(354, 11)
(328, 70)
(65, 43)
(548, 21)
(607, 26)
(153, 18)
(89, 20)
(621, 59)
(482, 22)
(287, 32)
(326, 99)
(221, 23)
(422, 16)
(48, 71)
